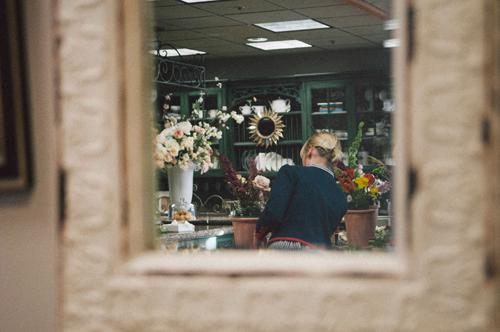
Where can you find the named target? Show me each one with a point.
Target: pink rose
(178, 134)
(262, 183)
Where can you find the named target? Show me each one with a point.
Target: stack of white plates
(271, 161)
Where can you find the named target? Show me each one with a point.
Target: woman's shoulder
(291, 169)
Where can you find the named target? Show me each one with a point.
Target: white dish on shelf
(269, 160)
(287, 161)
(259, 161)
(277, 163)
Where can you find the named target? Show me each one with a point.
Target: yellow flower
(362, 182)
(374, 190)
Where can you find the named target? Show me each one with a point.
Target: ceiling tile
(351, 39)
(202, 43)
(167, 25)
(229, 49)
(382, 4)
(182, 11)
(365, 30)
(351, 21)
(264, 17)
(351, 45)
(179, 35)
(294, 4)
(238, 7)
(162, 3)
(380, 37)
(313, 34)
(238, 33)
(331, 11)
(204, 22)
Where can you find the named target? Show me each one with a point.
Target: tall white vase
(180, 182)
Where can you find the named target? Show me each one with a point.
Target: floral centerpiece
(362, 189)
(251, 194)
(249, 191)
(183, 146)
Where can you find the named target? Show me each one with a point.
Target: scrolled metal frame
(178, 74)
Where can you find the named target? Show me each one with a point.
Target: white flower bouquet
(184, 144)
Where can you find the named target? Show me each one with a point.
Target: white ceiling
(220, 28)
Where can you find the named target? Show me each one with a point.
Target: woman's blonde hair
(327, 145)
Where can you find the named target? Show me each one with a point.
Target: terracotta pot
(360, 225)
(244, 232)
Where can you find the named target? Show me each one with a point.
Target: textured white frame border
(111, 283)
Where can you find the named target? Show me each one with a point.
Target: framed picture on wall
(15, 154)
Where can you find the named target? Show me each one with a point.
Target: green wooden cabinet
(262, 93)
(334, 103)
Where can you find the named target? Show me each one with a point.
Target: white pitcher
(280, 105)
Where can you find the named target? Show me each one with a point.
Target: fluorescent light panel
(391, 43)
(279, 45)
(182, 51)
(295, 25)
(196, 1)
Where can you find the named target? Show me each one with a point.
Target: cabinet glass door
(374, 108)
(329, 112)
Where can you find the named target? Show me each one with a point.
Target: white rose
(237, 117)
(204, 167)
(168, 132)
(185, 126)
(187, 143)
(172, 147)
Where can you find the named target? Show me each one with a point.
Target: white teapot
(245, 109)
(280, 105)
(258, 109)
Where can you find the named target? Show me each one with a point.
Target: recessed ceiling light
(390, 43)
(293, 25)
(279, 44)
(196, 1)
(256, 39)
(172, 52)
(391, 24)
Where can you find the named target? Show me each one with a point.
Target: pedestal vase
(180, 183)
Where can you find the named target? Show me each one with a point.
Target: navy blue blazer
(305, 204)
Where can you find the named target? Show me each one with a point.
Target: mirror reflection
(266, 127)
(273, 134)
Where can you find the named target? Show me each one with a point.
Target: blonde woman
(305, 205)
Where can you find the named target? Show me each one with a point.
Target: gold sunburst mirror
(266, 128)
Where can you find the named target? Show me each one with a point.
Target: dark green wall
(272, 66)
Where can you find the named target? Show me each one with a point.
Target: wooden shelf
(287, 142)
(376, 112)
(328, 113)
(281, 114)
